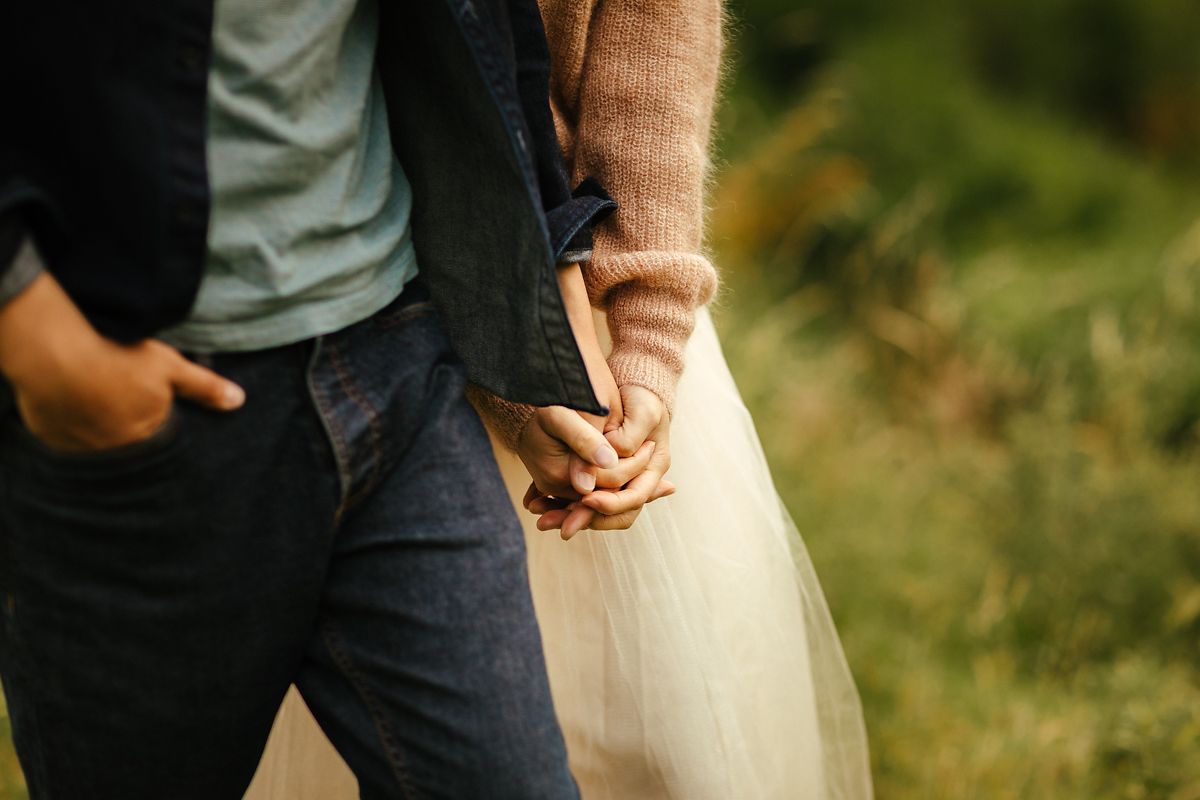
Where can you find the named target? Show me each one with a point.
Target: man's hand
(563, 452)
(76, 390)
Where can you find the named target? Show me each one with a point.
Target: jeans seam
(391, 748)
(372, 414)
(328, 419)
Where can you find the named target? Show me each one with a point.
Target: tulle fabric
(691, 657)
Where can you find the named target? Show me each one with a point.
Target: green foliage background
(961, 249)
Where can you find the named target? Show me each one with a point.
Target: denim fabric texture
(346, 530)
(102, 160)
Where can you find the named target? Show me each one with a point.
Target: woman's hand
(645, 423)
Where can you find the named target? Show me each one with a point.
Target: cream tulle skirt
(691, 657)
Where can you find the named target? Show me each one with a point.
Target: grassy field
(968, 315)
(961, 250)
(12, 785)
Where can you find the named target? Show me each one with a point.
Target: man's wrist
(42, 332)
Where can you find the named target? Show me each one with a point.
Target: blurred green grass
(12, 784)
(961, 250)
(963, 303)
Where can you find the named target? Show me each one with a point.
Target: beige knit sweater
(633, 84)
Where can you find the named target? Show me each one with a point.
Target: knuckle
(149, 347)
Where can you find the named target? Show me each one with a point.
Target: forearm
(579, 314)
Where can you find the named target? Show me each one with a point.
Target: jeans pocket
(161, 439)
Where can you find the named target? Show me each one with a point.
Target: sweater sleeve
(503, 417)
(644, 115)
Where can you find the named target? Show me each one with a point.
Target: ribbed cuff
(26, 266)
(650, 298)
(505, 418)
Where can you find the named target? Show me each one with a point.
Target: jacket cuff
(503, 417)
(570, 224)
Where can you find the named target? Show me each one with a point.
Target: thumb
(578, 434)
(202, 385)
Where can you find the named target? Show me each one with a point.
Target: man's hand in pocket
(76, 390)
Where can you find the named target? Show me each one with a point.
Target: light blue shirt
(309, 230)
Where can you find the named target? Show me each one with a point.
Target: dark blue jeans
(347, 530)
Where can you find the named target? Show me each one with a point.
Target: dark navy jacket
(102, 162)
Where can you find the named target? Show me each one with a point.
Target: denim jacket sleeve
(570, 214)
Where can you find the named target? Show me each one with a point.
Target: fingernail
(234, 396)
(585, 481)
(605, 457)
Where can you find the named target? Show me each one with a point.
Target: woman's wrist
(579, 315)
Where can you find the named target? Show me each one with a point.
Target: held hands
(77, 391)
(588, 471)
(596, 472)
(583, 479)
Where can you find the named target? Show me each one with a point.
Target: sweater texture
(633, 86)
